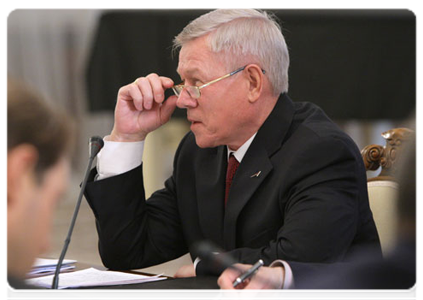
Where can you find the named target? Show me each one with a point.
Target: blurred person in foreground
(38, 143)
(366, 271)
(258, 175)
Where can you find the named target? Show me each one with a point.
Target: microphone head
(96, 143)
(212, 254)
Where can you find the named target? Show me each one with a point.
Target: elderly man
(260, 176)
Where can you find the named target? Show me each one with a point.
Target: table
(170, 289)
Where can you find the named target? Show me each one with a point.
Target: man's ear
(255, 78)
(21, 162)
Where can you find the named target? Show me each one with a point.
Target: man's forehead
(194, 56)
(188, 67)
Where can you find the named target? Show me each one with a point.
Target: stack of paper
(48, 266)
(92, 277)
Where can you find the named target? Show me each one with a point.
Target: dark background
(355, 64)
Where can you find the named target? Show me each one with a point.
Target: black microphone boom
(96, 143)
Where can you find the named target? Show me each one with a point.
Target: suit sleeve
(320, 205)
(135, 233)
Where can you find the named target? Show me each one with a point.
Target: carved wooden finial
(376, 156)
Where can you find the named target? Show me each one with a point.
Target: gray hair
(243, 33)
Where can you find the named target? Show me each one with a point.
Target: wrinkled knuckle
(142, 79)
(148, 97)
(159, 96)
(153, 75)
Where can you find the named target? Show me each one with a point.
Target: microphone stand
(96, 144)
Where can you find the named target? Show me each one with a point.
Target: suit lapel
(210, 186)
(248, 178)
(256, 165)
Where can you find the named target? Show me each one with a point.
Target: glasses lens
(193, 91)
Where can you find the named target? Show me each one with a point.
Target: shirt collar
(240, 153)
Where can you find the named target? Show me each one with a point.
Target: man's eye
(198, 82)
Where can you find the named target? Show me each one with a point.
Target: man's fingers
(227, 278)
(159, 86)
(132, 93)
(225, 281)
(151, 89)
(146, 91)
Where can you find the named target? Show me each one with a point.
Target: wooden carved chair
(383, 189)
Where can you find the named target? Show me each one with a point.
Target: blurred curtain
(47, 49)
(355, 64)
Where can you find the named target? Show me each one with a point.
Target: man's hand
(265, 278)
(185, 271)
(141, 108)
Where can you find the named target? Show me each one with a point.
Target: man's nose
(186, 101)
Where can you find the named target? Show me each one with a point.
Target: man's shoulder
(310, 116)
(312, 122)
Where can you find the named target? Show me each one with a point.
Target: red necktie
(230, 173)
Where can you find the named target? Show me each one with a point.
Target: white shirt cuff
(118, 157)
(196, 261)
(288, 282)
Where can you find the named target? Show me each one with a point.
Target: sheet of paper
(92, 277)
(49, 270)
(42, 262)
(48, 266)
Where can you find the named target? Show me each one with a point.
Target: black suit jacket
(308, 204)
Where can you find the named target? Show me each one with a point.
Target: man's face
(46, 195)
(30, 215)
(221, 114)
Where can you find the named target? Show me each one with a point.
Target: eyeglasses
(194, 91)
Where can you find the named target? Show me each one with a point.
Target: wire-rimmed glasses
(194, 91)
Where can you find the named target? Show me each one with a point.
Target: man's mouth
(192, 121)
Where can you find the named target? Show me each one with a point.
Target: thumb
(167, 109)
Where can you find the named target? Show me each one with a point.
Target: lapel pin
(256, 174)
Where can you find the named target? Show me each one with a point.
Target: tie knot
(232, 167)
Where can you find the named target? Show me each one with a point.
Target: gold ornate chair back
(376, 156)
(383, 189)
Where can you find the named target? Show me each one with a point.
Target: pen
(249, 273)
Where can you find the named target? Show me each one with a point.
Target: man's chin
(203, 142)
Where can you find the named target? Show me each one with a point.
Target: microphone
(217, 259)
(212, 255)
(96, 143)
